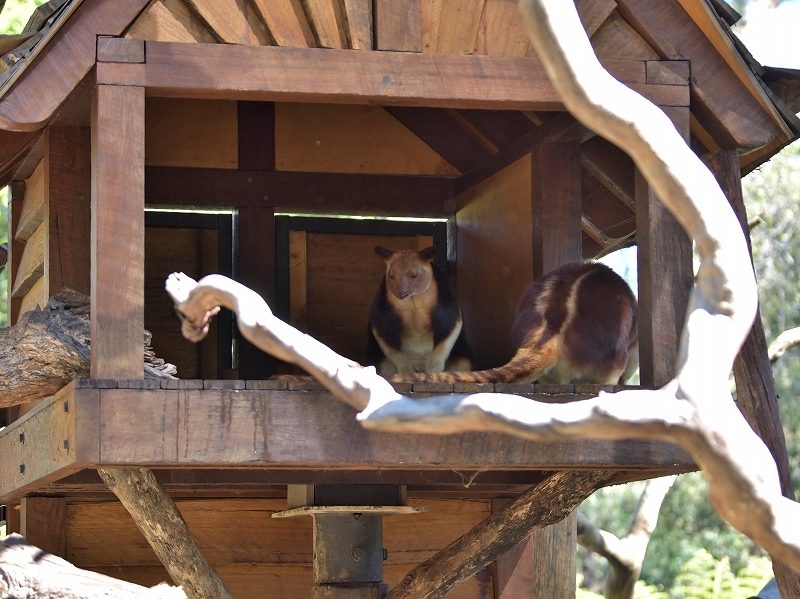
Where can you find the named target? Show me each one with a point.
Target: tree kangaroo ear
(428, 254)
(383, 252)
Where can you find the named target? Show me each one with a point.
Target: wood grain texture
(543, 505)
(226, 19)
(64, 62)
(16, 194)
(174, 139)
(358, 21)
(349, 193)
(611, 167)
(31, 265)
(258, 429)
(351, 139)
(594, 13)
(671, 31)
(501, 30)
(117, 231)
(615, 39)
(33, 203)
(458, 26)
(68, 151)
(326, 21)
(257, 271)
(35, 297)
(169, 21)
(298, 281)
(665, 279)
(398, 25)
(116, 49)
(553, 549)
(668, 72)
(555, 206)
(287, 22)
(494, 252)
(444, 134)
(43, 522)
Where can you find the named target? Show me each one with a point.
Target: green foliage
(704, 577)
(16, 14)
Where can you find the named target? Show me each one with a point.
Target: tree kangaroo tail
(527, 365)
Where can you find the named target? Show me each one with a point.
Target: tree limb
(695, 410)
(783, 343)
(165, 530)
(625, 555)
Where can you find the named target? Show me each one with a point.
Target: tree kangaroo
(576, 324)
(415, 323)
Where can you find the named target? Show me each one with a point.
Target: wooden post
(755, 385)
(665, 276)
(257, 226)
(43, 522)
(548, 570)
(117, 232)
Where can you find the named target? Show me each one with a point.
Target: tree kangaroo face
(408, 273)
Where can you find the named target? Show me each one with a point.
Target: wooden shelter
(142, 137)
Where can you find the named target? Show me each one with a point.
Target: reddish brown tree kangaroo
(576, 324)
(415, 322)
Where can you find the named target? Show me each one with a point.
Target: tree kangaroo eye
(414, 276)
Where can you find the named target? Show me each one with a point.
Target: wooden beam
(665, 278)
(723, 95)
(339, 76)
(117, 231)
(31, 265)
(63, 63)
(43, 522)
(34, 203)
(612, 167)
(350, 193)
(543, 505)
(287, 22)
(358, 19)
(398, 25)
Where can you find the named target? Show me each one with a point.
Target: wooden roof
(448, 64)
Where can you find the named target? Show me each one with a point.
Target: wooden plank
(358, 20)
(665, 279)
(460, 19)
(256, 135)
(16, 194)
(342, 77)
(350, 139)
(442, 133)
(258, 429)
(398, 25)
(348, 193)
(287, 22)
(35, 297)
(34, 204)
(40, 456)
(611, 167)
(259, 31)
(63, 63)
(326, 21)
(615, 39)
(25, 168)
(115, 49)
(494, 252)
(730, 108)
(298, 281)
(169, 21)
(553, 551)
(173, 138)
(501, 31)
(668, 72)
(594, 13)
(556, 206)
(68, 151)
(257, 271)
(43, 521)
(31, 266)
(117, 230)
(226, 19)
(514, 569)
(612, 218)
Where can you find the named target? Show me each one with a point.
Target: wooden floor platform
(251, 438)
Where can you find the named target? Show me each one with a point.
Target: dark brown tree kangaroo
(576, 324)
(415, 322)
